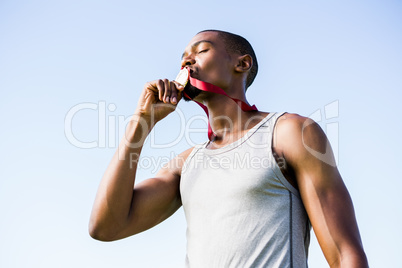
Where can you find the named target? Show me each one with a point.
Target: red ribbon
(205, 86)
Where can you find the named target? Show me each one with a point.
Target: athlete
(250, 193)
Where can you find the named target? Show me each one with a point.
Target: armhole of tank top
(191, 155)
(276, 167)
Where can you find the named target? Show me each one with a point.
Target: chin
(191, 91)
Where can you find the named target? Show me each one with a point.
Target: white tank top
(240, 210)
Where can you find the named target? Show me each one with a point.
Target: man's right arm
(120, 209)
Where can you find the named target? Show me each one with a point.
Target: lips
(190, 90)
(193, 74)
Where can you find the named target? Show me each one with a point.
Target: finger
(179, 86)
(166, 97)
(161, 89)
(173, 90)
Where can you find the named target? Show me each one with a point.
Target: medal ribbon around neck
(184, 77)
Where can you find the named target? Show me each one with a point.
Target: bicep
(155, 199)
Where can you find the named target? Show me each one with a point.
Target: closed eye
(202, 51)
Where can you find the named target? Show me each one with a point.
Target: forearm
(113, 200)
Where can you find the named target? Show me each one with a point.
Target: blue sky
(339, 59)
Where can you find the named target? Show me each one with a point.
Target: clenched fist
(159, 98)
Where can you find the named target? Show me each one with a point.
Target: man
(250, 193)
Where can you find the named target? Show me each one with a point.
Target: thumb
(179, 86)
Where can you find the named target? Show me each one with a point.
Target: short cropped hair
(237, 43)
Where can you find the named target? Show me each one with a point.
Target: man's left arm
(327, 201)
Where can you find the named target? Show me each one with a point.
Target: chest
(235, 179)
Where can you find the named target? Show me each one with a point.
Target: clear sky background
(54, 55)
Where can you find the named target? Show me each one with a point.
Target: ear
(244, 63)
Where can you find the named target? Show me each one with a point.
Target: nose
(186, 61)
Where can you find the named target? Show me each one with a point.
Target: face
(208, 61)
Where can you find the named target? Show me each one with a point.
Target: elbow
(99, 232)
(361, 260)
(357, 258)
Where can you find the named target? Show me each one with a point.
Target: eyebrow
(197, 44)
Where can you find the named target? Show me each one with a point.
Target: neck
(229, 112)
(227, 119)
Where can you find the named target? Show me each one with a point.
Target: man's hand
(159, 98)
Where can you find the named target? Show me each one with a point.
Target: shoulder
(289, 129)
(292, 121)
(175, 165)
(299, 138)
(296, 128)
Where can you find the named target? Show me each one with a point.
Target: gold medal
(182, 77)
